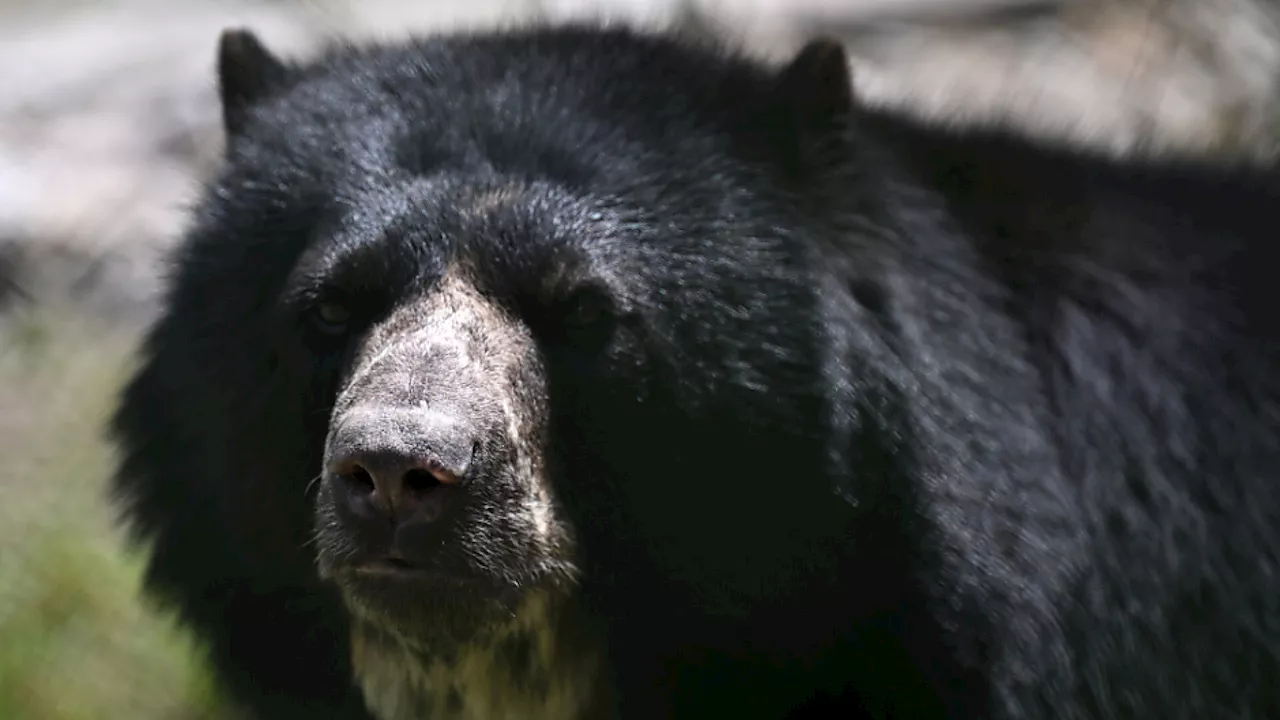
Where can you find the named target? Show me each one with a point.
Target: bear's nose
(399, 464)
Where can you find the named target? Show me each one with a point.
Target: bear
(573, 370)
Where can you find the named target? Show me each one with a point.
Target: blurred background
(108, 120)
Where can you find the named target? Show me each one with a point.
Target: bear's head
(546, 303)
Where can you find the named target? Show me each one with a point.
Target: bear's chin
(422, 606)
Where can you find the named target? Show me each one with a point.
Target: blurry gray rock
(108, 117)
(1197, 77)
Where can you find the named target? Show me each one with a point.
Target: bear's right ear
(247, 73)
(815, 93)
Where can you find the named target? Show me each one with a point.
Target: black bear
(587, 372)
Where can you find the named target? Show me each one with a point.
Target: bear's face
(540, 325)
(435, 508)
(520, 346)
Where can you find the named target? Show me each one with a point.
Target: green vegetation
(77, 640)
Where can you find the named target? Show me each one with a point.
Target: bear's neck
(543, 663)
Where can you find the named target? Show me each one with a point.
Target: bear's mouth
(393, 571)
(397, 570)
(390, 566)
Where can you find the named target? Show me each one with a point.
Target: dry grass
(75, 640)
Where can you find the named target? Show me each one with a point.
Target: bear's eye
(330, 317)
(587, 308)
(588, 318)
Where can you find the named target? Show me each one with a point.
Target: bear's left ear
(247, 74)
(815, 91)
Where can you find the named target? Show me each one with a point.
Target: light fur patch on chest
(531, 667)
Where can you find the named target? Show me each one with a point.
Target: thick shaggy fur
(782, 403)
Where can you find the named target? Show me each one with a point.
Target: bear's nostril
(358, 479)
(421, 481)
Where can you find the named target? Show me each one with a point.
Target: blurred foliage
(76, 640)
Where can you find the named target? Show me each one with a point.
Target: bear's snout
(398, 467)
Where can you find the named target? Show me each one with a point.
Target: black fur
(935, 425)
